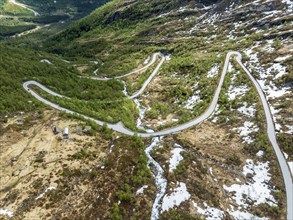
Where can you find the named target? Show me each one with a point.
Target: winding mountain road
(270, 124)
(154, 58)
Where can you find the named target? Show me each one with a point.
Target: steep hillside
(61, 7)
(222, 168)
(19, 18)
(122, 33)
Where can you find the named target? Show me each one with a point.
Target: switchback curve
(270, 124)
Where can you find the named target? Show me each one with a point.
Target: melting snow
(230, 67)
(161, 182)
(260, 153)
(268, 47)
(42, 194)
(258, 191)
(140, 191)
(178, 196)
(191, 102)
(124, 89)
(290, 129)
(213, 71)
(286, 155)
(289, 3)
(45, 61)
(142, 111)
(277, 68)
(272, 91)
(95, 62)
(246, 130)
(275, 117)
(96, 71)
(176, 157)
(209, 212)
(280, 59)
(147, 60)
(249, 111)
(217, 111)
(6, 212)
(111, 148)
(237, 91)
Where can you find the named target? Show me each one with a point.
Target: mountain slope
(16, 17)
(224, 168)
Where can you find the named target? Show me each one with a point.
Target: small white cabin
(66, 132)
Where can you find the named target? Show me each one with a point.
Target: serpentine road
(120, 128)
(154, 58)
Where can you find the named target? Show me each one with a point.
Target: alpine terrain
(158, 109)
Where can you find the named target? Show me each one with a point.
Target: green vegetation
(62, 76)
(9, 30)
(116, 215)
(286, 141)
(71, 7)
(2, 2)
(230, 116)
(15, 10)
(178, 215)
(112, 112)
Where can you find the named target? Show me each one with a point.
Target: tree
(116, 215)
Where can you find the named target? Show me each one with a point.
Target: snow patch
(147, 60)
(290, 129)
(249, 111)
(217, 111)
(271, 90)
(45, 61)
(258, 191)
(289, 4)
(260, 153)
(42, 194)
(277, 68)
(286, 155)
(230, 67)
(246, 130)
(213, 71)
(191, 102)
(175, 158)
(233, 92)
(209, 212)
(280, 59)
(179, 195)
(161, 182)
(142, 111)
(6, 212)
(141, 190)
